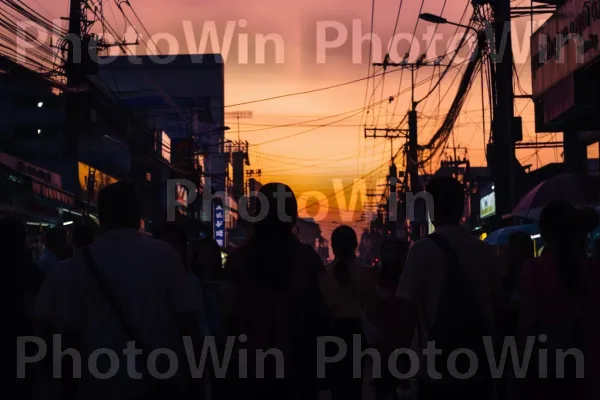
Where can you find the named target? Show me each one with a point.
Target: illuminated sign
(219, 224)
(181, 196)
(91, 181)
(181, 193)
(35, 172)
(566, 42)
(488, 205)
(163, 145)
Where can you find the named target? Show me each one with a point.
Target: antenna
(237, 115)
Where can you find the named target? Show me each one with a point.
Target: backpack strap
(450, 254)
(453, 267)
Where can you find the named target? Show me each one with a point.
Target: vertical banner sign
(219, 224)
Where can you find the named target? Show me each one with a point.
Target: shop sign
(488, 205)
(39, 174)
(91, 181)
(566, 42)
(219, 224)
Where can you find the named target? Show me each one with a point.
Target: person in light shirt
(138, 283)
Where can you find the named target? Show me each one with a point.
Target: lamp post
(436, 19)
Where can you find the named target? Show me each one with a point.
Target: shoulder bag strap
(110, 297)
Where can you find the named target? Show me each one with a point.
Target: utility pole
(503, 157)
(392, 203)
(74, 97)
(412, 152)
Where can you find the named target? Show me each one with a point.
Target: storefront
(35, 195)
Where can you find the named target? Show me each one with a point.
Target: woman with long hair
(559, 299)
(272, 298)
(347, 286)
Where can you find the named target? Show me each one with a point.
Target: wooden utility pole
(412, 151)
(503, 158)
(76, 54)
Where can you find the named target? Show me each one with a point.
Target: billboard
(91, 181)
(566, 42)
(488, 205)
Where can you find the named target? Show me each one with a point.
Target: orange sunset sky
(313, 155)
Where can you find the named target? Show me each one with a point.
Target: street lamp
(436, 19)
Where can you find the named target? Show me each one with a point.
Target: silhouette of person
(393, 256)
(451, 289)
(560, 299)
(22, 287)
(124, 287)
(272, 297)
(56, 249)
(347, 287)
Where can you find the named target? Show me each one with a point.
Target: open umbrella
(575, 189)
(501, 236)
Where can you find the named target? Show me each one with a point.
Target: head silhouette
(276, 210)
(559, 223)
(448, 200)
(119, 207)
(343, 243)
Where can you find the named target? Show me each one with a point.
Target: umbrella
(575, 189)
(501, 236)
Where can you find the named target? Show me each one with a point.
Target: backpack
(461, 322)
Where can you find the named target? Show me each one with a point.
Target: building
(566, 79)
(182, 103)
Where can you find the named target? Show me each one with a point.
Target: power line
(356, 112)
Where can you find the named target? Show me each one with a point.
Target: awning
(48, 193)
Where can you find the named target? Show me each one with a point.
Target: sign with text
(566, 42)
(488, 205)
(39, 174)
(91, 181)
(219, 224)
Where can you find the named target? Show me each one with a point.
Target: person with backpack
(449, 294)
(272, 301)
(560, 299)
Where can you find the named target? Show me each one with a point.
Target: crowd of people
(274, 293)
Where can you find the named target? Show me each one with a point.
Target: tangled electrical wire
(440, 138)
(18, 23)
